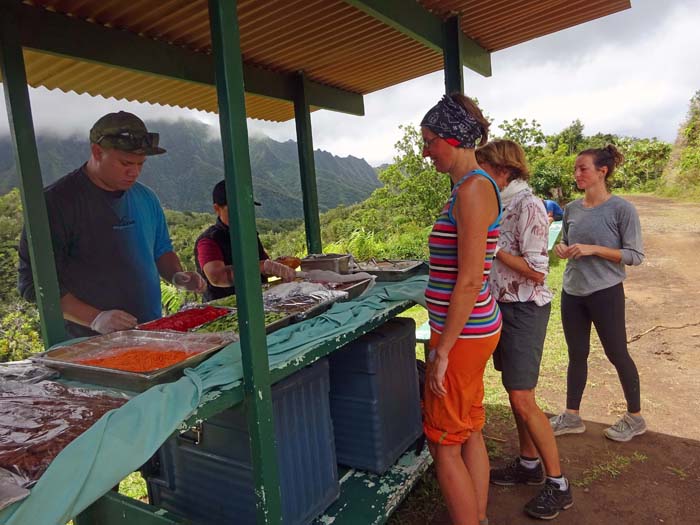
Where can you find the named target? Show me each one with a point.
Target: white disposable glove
(271, 267)
(190, 281)
(110, 321)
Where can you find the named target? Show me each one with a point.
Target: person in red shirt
(213, 253)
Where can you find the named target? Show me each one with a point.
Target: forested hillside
(682, 174)
(183, 178)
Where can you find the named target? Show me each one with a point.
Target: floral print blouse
(524, 232)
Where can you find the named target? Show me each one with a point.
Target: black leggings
(606, 310)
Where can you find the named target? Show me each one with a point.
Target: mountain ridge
(184, 177)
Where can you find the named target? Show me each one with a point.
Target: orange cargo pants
(451, 419)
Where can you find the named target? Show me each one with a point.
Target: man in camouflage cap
(110, 239)
(126, 132)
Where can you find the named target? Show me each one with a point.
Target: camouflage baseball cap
(126, 132)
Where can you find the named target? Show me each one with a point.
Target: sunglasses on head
(128, 140)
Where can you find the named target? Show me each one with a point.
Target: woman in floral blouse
(518, 283)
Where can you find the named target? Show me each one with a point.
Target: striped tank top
(485, 319)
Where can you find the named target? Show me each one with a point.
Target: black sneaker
(549, 502)
(515, 472)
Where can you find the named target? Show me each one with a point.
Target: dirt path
(655, 478)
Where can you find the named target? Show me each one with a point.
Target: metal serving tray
(390, 269)
(335, 262)
(354, 289)
(63, 358)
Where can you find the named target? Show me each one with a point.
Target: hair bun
(617, 156)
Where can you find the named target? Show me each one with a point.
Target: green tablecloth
(123, 439)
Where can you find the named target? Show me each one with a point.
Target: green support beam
(305, 145)
(58, 34)
(412, 19)
(31, 185)
(452, 56)
(239, 193)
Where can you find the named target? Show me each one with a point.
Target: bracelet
(496, 250)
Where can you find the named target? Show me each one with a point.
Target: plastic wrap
(38, 420)
(25, 371)
(302, 300)
(11, 489)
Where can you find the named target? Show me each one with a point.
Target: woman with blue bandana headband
(465, 321)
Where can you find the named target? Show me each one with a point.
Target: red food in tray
(185, 320)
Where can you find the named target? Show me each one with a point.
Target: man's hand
(190, 281)
(109, 321)
(280, 270)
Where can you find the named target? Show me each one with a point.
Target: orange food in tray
(137, 359)
(288, 260)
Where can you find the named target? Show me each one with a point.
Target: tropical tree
(528, 134)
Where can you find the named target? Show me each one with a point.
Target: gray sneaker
(626, 428)
(566, 423)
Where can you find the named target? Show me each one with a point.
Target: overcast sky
(632, 73)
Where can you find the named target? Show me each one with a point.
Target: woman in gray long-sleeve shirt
(601, 235)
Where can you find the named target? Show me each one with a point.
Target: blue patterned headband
(449, 120)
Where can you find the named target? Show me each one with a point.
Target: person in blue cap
(110, 239)
(554, 211)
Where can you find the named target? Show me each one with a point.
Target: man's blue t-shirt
(553, 208)
(106, 245)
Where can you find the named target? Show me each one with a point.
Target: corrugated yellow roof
(331, 41)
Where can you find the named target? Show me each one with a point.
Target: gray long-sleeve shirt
(613, 224)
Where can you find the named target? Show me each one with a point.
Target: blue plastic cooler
(212, 481)
(375, 402)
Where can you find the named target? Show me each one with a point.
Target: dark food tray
(391, 270)
(62, 359)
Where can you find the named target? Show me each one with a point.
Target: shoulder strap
(495, 187)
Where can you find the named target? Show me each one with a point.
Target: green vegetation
(552, 157)
(681, 178)
(19, 321)
(612, 468)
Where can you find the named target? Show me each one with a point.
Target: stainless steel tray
(390, 269)
(64, 358)
(335, 262)
(354, 289)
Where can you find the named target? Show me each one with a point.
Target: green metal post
(452, 56)
(305, 144)
(225, 39)
(36, 221)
